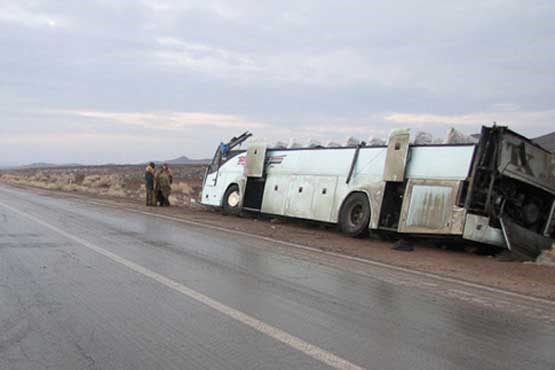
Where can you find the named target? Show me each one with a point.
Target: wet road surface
(90, 287)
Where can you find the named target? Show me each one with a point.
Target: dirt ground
(124, 181)
(464, 262)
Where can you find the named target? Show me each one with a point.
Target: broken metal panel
(524, 161)
(375, 193)
(440, 162)
(550, 226)
(523, 243)
(477, 228)
(429, 207)
(255, 162)
(511, 176)
(458, 217)
(396, 156)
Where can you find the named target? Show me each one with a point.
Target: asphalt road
(85, 286)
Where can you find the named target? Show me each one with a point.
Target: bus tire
(232, 200)
(354, 216)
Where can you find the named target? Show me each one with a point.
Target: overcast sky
(129, 81)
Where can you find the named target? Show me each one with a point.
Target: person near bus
(164, 180)
(149, 185)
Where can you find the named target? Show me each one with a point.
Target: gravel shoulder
(525, 278)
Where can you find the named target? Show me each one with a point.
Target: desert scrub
(114, 181)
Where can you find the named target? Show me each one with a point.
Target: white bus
(500, 191)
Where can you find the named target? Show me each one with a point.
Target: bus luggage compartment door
(311, 197)
(429, 207)
(256, 158)
(276, 191)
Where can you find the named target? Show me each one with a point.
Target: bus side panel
(477, 228)
(275, 194)
(435, 175)
(368, 179)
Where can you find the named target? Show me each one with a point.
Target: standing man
(164, 180)
(149, 185)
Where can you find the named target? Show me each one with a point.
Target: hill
(185, 160)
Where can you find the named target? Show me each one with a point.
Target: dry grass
(111, 181)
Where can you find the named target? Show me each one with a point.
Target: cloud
(15, 13)
(217, 8)
(91, 148)
(73, 139)
(203, 58)
(515, 119)
(336, 67)
(203, 70)
(171, 120)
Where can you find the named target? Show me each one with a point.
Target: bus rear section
(510, 193)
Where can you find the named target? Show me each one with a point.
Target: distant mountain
(183, 160)
(546, 141)
(186, 160)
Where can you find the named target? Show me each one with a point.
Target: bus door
(394, 176)
(254, 172)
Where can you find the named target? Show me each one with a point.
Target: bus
(499, 191)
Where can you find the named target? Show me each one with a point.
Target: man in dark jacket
(149, 185)
(163, 185)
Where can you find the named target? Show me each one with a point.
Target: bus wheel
(354, 216)
(232, 200)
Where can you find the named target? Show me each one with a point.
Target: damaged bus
(499, 191)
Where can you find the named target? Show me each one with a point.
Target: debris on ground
(547, 257)
(404, 245)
